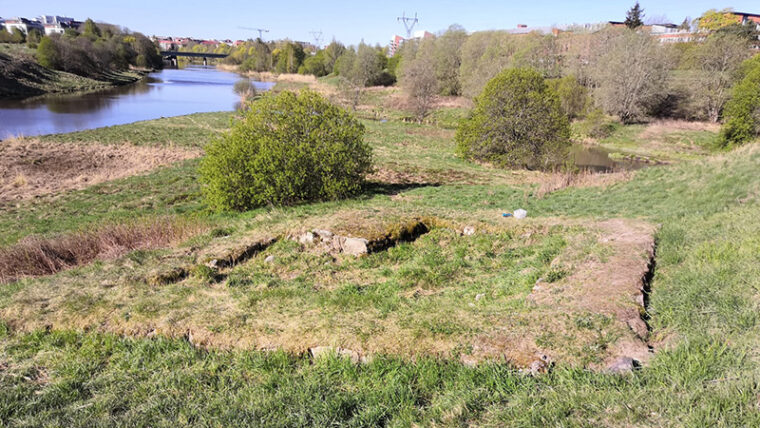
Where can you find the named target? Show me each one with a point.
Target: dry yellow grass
(552, 182)
(37, 256)
(30, 168)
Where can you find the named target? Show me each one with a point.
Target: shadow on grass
(373, 188)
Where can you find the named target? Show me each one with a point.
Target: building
(56, 20)
(24, 25)
(53, 29)
(397, 40)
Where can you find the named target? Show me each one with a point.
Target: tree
(359, 69)
(572, 95)
(742, 112)
(715, 64)
(314, 65)
(631, 75)
(333, 51)
(290, 58)
(419, 80)
(48, 54)
(90, 30)
(517, 122)
(289, 148)
(448, 59)
(685, 25)
(713, 20)
(635, 17)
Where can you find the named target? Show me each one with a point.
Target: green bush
(595, 125)
(48, 54)
(741, 115)
(573, 96)
(517, 122)
(287, 149)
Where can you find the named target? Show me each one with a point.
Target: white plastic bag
(521, 213)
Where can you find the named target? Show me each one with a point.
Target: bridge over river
(172, 56)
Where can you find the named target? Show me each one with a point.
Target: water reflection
(163, 94)
(599, 160)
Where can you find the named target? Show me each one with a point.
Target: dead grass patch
(31, 168)
(562, 180)
(659, 128)
(38, 256)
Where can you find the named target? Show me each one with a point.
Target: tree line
(94, 50)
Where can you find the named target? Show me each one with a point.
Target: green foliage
(517, 122)
(33, 38)
(315, 65)
(573, 96)
(48, 54)
(91, 30)
(332, 52)
(289, 148)
(290, 58)
(595, 125)
(742, 113)
(16, 36)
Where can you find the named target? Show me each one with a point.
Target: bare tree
(419, 80)
(714, 65)
(631, 76)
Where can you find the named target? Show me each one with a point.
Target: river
(170, 92)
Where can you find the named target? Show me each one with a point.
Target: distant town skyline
(345, 21)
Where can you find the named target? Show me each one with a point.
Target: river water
(170, 92)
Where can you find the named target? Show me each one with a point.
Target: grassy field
(443, 322)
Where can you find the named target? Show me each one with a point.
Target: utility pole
(409, 23)
(260, 30)
(317, 35)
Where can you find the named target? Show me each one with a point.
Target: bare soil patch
(31, 168)
(613, 287)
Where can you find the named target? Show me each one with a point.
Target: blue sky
(347, 21)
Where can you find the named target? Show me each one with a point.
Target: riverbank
(22, 77)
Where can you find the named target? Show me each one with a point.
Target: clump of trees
(517, 122)
(287, 149)
(97, 50)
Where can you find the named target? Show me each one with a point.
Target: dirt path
(30, 168)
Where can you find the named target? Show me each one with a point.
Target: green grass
(703, 308)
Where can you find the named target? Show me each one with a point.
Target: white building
(53, 29)
(23, 24)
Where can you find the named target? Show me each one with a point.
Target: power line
(317, 35)
(409, 23)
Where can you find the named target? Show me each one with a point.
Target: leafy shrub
(517, 121)
(48, 54)
(742, 113)
(288, 148)
(573, 96)
(595, 125)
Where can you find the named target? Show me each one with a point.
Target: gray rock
(324, 235)
(479, 297)
(468, 231)
(306, 238)
(622, 365)
(355, 246)
(269, 259)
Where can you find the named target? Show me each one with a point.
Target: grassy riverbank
(443, 319)
(21, 76)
